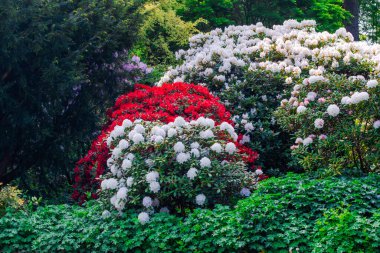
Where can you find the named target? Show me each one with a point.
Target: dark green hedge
(329, 215)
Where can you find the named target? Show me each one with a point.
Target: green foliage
(291, 212)
(217, 13)
(163, 32)
(282, 212)
(268, 12)
(340, 230)
(55, 82)
(9, 198)
(370, 20)
(329, 14)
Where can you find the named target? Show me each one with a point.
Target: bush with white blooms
(337, 130)
(168, 167)
(252, 68)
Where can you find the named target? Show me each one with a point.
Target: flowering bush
(336, 121)
(253, 102)
(221, 58)
(252, 67)
(128, 71)
(162, 104)
(177, 165)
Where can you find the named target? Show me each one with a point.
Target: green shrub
(253, 101)
(340, 230)
(283, 213)
(9, 197)
(163, 32)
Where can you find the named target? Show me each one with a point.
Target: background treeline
(63, 63)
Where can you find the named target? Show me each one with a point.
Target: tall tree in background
(267, 12)
(54, 83)
(329, 14)
(352, 25)
(218, 13)
(163, 32)
(369, 22)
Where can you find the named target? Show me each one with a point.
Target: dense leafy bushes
(284, 213)
(162, 32)
(340, 230)
(253, 102)
(329, 14)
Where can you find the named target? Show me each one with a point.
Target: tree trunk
(353, 24)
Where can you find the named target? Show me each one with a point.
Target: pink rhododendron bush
(253, 68)
(166, 167)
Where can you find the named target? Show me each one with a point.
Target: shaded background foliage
(370, 20)
(163, 32)
(54, 83)
(329, 14)
(59, 72)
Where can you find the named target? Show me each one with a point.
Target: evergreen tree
(55, 83)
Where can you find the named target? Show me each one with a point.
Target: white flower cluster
(332, 110)
(222, 56)
(194, 140)
(247, 125)
(316, 97)
(356, 98)
(318, 123)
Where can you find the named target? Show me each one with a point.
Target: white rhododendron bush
(169, 167)
(253, 68)
(336, 121)
(221, 58)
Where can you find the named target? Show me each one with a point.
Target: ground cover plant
(283, 214)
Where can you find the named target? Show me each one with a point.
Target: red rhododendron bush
(160, 104)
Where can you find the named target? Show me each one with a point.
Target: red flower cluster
(164, 104)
